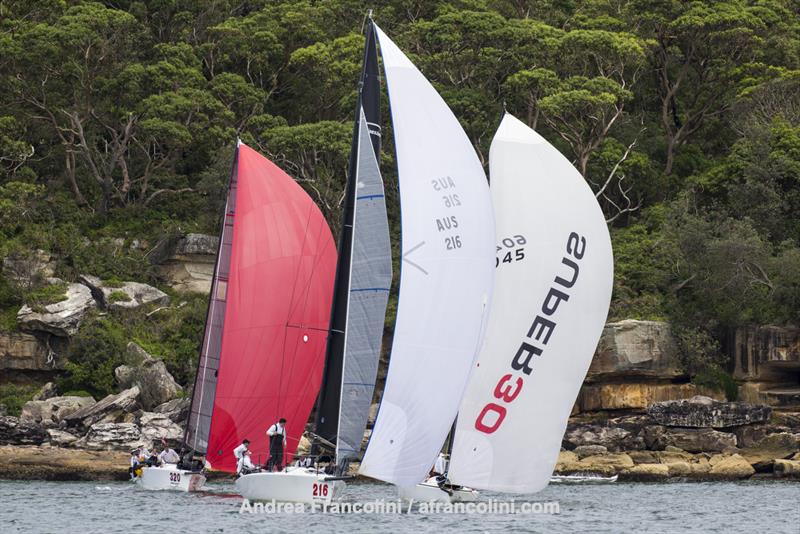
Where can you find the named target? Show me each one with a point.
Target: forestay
(552, 291)
(446, 278)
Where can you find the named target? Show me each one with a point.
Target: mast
(195, 436)
(329, 404)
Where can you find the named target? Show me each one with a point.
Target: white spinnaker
(446, 276)
(543, 208)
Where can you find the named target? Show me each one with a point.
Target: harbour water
(117, 507)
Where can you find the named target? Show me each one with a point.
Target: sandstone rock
(52, 411)
(767, 353)
(112, 436)
(156, 385)
(646, 472)
(635, 348)
(749, 435)
(128, 295)
(700, 467)
(157, 426)
(589, 450)
(629, 396)
(674, 455)
(613, 438)
(62, 318)
(787, 468)
(14, 431)
(732, 467)
(704, 412)
(616, 461)
(176, 409)
(191, 266)
(60, 438)
(47, 391)
(26, 352)
(772, 447)
(695, 440)
(679, 469)
(373, 414)
(27, 267)
(123, 402)
(643, 457)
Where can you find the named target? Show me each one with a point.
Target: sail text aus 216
(510, 385)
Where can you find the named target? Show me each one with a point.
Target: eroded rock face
(61, 438)
(704, 412)
(694, 440)
(150, 376)
(782, 445)
(191, 266)
(129, 295)
(62, 318)
(51, 412)
(631, 396)
(632, 348)
(767, 353)
(25, 352)
(176, 409)
(111, 407)
(613, 438)
(112, 436)
(157, 426)
(14, 431)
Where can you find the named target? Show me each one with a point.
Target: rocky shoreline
(64, 438)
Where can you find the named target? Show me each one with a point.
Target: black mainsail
(363, 279)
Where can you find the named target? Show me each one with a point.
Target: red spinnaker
(278, 304)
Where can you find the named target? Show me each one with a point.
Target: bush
(118, 296)
(46, 295)
(14, 396)
(94, 353)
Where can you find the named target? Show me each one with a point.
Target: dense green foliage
(117, 120)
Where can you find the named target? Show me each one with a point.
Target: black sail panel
(205, 383)
(328, 407)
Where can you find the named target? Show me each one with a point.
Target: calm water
(89, 507)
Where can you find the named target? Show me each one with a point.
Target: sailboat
(553, 282)
(446, 277)
(361, 292)
(267, 322)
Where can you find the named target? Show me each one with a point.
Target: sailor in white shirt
(168, 456)
(277, 442)
(239, 453)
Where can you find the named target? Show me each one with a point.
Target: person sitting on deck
(277, 441)
(247, 464)
(135, 467)
(239, 454)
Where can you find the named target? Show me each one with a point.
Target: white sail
(552, 291)
(446, 276)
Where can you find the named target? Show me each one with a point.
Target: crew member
(277, 441)
(239, 453)
(168, 455)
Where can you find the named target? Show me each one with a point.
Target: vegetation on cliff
(117, 122)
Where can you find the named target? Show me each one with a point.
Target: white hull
(295, 484)
(170, 478)
(429, 491)
(582, 479)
